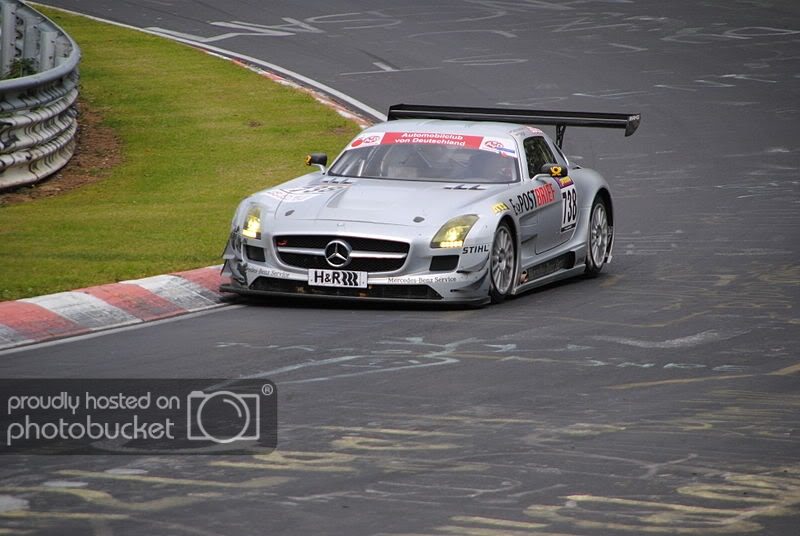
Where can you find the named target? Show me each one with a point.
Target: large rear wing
(561, 120)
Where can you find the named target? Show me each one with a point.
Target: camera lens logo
(223, 417)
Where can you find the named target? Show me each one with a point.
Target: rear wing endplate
(561, 120)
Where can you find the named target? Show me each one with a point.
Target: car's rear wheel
(502, 263)
(599, 237)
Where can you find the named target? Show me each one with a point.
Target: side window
(537, 153)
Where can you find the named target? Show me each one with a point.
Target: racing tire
(598, 239)
(502, 263)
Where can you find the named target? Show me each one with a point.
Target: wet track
(662, 397)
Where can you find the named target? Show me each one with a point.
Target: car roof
(447, 126)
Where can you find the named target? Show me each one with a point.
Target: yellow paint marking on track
(263, 482)
(375, 443)
(725, 280)
(750, 496)
(786, 371)
(611, 280)
(389, 431)
(643, 525)
(420, 466)
(582, 429)
(792, 369)
(296, 460)
(106, 499)
(496, 522)
(782, 275)
(406, 534)
(678, 381)
(777, 491)
(463, 418)
(482, 531)
(759, 397)
(283, 467)
(59, 515)
(653, 504)
(736, 493)
(688, 425)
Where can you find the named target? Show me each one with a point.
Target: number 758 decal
(569, 208)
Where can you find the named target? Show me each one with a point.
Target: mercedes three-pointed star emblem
(337, 253)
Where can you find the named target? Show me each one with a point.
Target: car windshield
(429, 156)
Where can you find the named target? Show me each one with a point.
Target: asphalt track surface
(662, 397)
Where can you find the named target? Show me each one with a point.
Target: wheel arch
(512, 225)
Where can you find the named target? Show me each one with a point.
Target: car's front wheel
(599, 237)
(502, 263)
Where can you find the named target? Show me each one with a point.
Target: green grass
(190, 153)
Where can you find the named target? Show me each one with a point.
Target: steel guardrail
(38, 111)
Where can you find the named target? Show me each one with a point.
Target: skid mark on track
(663, 324)
(435, 361)
(697, 339)
(514, 349)
(413, 353)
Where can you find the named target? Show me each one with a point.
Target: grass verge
(198, 134)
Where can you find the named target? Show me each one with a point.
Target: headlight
(252, 223)
(453, 233)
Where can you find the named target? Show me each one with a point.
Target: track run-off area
(661, 398)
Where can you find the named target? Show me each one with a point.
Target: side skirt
(561, 267)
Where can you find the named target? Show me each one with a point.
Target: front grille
(397, 292)
(366, 256)
(356, 242)
(356, 265)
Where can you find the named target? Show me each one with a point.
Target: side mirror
(555, 171)
(317, 159)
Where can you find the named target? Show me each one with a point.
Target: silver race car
(437, 204)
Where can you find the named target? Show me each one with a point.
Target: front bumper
(257, 267)
(301, 291)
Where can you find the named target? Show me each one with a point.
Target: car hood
(376, 200)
